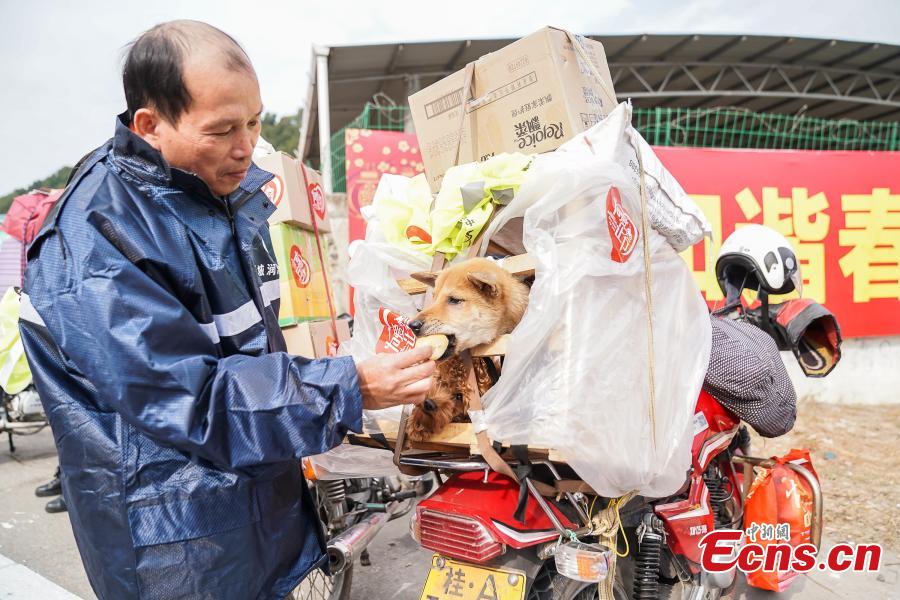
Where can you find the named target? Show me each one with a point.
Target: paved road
(43, 543)
(29, 536)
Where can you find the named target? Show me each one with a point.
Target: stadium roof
(818, 77)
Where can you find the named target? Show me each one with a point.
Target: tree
(284, 132)
(57, 180)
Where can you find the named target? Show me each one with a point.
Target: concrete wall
(869, 373)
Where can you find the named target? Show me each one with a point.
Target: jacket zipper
(231, 223)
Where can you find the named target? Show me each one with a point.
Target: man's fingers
(417, 372)
(415, 393)
(410, 357)
(402, 378)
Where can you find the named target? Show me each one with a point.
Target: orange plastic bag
(779, 508)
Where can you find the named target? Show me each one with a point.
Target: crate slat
(495, 348)
(521, 265)
(453, 439)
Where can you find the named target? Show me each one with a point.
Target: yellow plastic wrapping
(466, 201)
(15, 375)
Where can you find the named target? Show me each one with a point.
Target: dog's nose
(416, 326)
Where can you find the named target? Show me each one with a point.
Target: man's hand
(390, 379)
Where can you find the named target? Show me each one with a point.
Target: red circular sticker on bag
(274, 190)
(396, 336)
(622, 232)
(317, 200)
(299, 267)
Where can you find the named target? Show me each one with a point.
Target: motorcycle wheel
(318, 586)
(550, 585)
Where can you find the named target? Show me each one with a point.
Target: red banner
(370, 153)
(840, 211)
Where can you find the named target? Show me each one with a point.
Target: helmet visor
(797, 280)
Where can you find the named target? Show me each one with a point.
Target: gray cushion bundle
(746, 375)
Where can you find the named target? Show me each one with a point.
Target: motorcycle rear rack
(443, 463)
(470, 464)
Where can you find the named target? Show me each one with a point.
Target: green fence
(698, 127)
(390, 118)
(734, 128)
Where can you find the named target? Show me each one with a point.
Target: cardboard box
(315, 339)
(301, 274)
(531, 96)
(296, 191)
(315, 191)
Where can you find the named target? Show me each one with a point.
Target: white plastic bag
(346, 461)
(262, 148)
(575, 378)
(671, 211)
(375, 266)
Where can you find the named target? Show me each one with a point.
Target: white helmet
(758, 258)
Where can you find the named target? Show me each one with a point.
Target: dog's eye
(452, 300)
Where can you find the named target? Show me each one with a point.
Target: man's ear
(146, 124)
(426, 278)
(485, 282)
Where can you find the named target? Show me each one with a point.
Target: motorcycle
(352, 512)
(23, 414)
(498, 539)
(21, 411)
(481, 551)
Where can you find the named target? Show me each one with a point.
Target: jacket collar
(132, 153)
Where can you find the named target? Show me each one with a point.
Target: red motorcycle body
(471, 516)
(688, 520)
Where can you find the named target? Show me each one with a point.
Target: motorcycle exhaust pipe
(346, 546)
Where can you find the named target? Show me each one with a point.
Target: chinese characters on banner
(840, 211)
(369, 153)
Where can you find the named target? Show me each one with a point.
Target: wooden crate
(522, 265)
(456, 440)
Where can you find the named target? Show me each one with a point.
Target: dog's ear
(525, 278)
(486, 282)
(425, 277)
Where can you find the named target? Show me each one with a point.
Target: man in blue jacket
(154, 342)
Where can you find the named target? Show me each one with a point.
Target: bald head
(154, 71)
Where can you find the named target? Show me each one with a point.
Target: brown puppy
(474, 303)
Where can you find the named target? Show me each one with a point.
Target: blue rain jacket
(150, 321)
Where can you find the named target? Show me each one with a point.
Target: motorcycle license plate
(452, 580)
